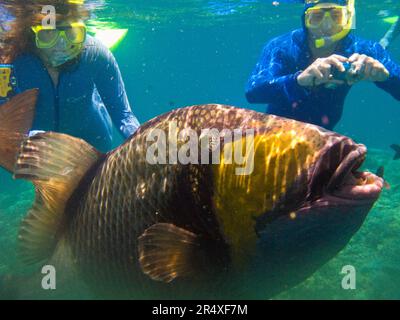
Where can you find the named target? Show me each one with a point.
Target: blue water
(185, 52)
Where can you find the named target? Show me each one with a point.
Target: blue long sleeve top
(274, 79)
(89, 97)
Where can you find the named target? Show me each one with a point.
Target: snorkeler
(81, 91)
(307, 74)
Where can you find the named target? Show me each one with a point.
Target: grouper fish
(132, 227)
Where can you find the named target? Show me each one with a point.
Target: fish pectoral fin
(16, 118)
(55, 163)
(167, 252)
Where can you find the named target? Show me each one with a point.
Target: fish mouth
(338, 177)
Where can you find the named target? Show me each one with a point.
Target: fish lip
(349, 163)
(335, 173)
(328, 162)
(368, 192)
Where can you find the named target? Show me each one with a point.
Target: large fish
(129, 227)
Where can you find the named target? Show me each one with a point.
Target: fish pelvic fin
(396, 149)
(55, 163)
(167, 252)
(16, 118)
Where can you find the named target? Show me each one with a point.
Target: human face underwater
(329, 22)
(326, 19)
(59, 45)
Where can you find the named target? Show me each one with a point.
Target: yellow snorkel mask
(61, 44)
(342, 15)
(47, 36)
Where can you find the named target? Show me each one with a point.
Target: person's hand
(320, 71)
(366, 68)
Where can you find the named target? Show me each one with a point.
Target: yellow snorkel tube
(324, 41)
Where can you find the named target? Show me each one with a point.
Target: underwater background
(177, 53)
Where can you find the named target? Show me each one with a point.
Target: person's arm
(391, 35)
(111, 88)
(392, 84)
(271, 82)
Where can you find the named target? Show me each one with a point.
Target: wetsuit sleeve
(392, 85)
(391, 35)
(111, 88)
(272, 81)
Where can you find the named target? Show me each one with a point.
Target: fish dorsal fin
(55, 163)
(16, 118)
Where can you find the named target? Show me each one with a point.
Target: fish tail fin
(55, 163)
(396, 149)
(16, 118)
(167, 252)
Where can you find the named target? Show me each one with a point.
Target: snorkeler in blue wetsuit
(307, 74)
(81, 91)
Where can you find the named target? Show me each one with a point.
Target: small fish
(133, 229)
(396, 149)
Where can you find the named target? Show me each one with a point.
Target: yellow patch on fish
(279, 158)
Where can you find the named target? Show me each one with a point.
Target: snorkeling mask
(62, 44)
(342, 15)
(47, 37)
